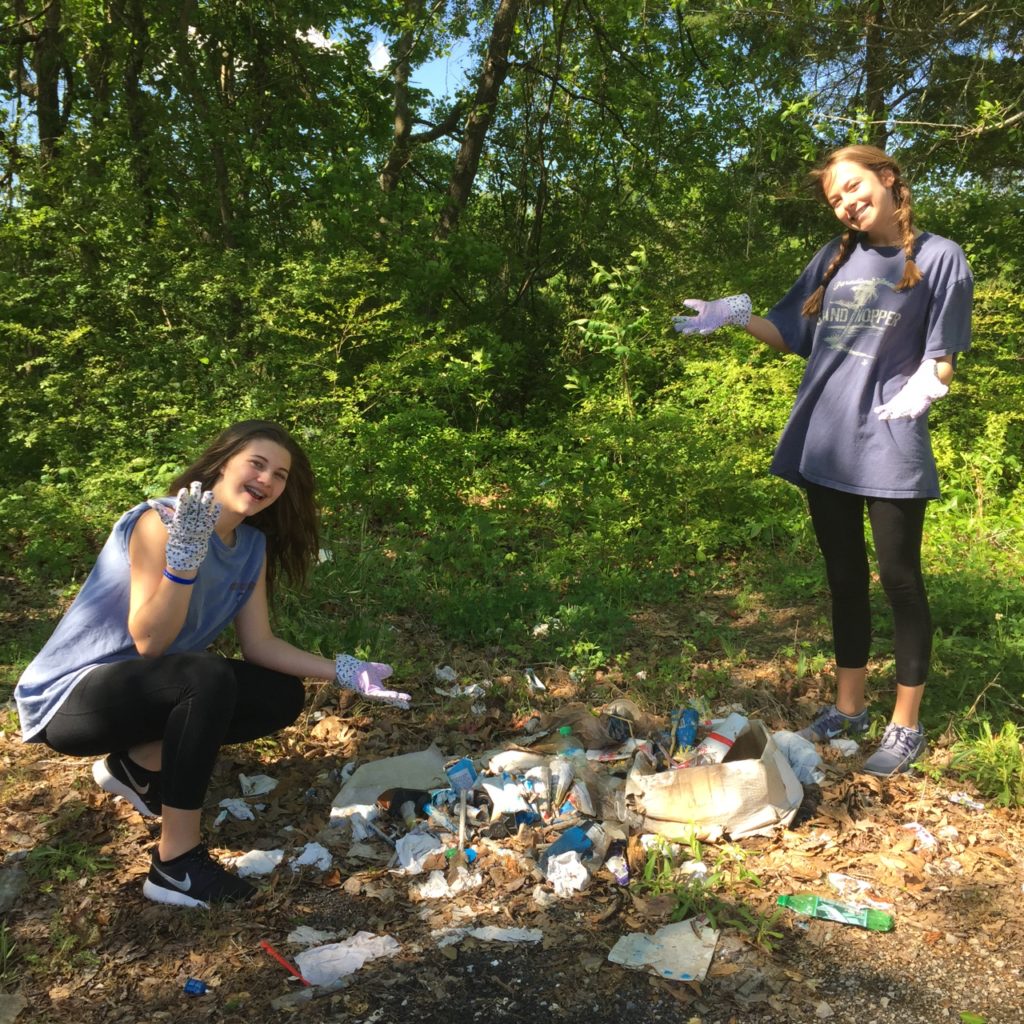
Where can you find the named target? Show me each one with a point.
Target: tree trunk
(400, 147)
(480, 115)
(46, 64)
(875, 73)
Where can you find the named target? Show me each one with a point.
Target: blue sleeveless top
(94, 630)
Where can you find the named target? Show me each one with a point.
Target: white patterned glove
(734, 309)
(365, 678)
(189, 526)
(916, 396)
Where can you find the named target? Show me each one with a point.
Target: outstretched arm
(733, 309)
(260, 646)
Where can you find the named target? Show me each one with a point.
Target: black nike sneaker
(119, 775)
(194, 879)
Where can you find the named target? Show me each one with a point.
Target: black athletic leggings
(195, 703)
(897, 525)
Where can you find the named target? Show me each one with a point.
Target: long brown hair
(875, 160)
(291, 523)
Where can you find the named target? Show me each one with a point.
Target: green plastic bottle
(844, 913)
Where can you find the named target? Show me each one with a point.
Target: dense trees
(212, 207)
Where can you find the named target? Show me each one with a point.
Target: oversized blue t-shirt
(860, 351)
(94, 630)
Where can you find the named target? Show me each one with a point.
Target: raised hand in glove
(734, 309)
(365, 678)
(916, 396)
(189, 526)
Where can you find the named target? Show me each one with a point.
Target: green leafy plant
(8, 957)
(994, 762)
(64, 862)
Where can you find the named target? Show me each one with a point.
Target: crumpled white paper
(565, 871)
(436, 886)
(256, 862)
(237, 808)
(324, 964)
(256, 785)
(312, 855)
(414, 848)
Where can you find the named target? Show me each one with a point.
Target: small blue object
(686, 728)
(195, 987)
(571, 839)
(461, 774)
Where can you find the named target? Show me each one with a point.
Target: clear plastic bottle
(844, 913)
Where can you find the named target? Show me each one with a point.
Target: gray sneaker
(831, 723)
(899, 749)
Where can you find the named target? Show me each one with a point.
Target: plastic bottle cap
(565, 730)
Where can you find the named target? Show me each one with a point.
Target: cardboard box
(752, 791)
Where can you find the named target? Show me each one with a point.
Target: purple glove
(916, 396)
(365, 678)
(734, 309)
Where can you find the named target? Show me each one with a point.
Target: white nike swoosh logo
(141, 790)
(184, 885)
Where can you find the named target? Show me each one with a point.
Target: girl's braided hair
(875, 160)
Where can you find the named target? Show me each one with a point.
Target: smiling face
(253, 478)
(863, 200)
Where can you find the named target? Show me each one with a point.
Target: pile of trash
(565, 799)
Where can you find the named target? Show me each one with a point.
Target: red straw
(281, 960)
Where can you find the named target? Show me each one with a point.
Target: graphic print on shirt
(841, 316)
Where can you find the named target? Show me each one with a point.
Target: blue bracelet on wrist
(180, 579)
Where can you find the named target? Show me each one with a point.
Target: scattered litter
(471, 690)
(846, 747)
(680, 951)
(489, 933)
(515, 761)
(533, 682)
(414, 848)
(324, 964)
(312, 855)
(567, 873)
(194, 987)
(256, 785)
(256, 862)
(237, 808)
(304, 935)
(966, 800)
(445, 674)
(843, 913)
(436, 885)
(421, 769)
(281, 960)
(752, 791)
(856, 890)
(803, 758)
(925, 840)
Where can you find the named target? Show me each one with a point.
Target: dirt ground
(91, 950)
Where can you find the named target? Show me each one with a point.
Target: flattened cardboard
(753, 790)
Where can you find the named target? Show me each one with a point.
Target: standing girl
(879, 314)
(127, 673)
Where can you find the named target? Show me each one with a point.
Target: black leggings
(897, 525)
(195, 703)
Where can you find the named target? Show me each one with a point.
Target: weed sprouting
(994, 762)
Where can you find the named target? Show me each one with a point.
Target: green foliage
(64, 862)
(716, 893)
(8, 958)
(994, 762)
